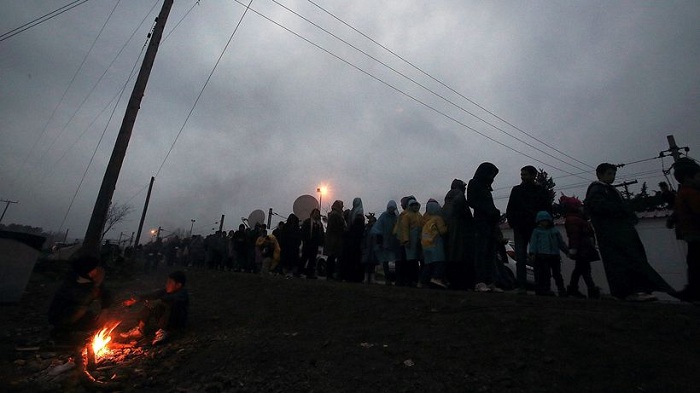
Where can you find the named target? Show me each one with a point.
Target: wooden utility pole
(93, 235)
(143, 213)
(673, 149)
(7, 204)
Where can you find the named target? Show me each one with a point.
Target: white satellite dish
(256, 217)
(304, 205)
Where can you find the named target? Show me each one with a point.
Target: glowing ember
(102, 338)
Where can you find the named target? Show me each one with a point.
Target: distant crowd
(458, 244)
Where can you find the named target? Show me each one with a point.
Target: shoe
(544, 293)
(562, 293)
(521, 291)
(574, 292)
(482, 287)
(438, 282)
(133, 333)
(641, 297)
(594, 293)
(160, 337)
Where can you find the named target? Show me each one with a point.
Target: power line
(63, 96)
(445, 85)
(406, 94)
(206, 83)
(41, 19)
(423, 86)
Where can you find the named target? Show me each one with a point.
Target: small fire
(102, 338)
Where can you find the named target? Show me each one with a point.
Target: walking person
(409, 231)
(335, 232)
(386, 245)
(581, 247)
(687, 210)
(459, 242)
(312, 237)
(486, 218)
(627, 269)
(545, 244)
(433, 244)
(526, 199)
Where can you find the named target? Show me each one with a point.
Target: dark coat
(624, 257)
(525, 201)
(479, 195)
(459, 219)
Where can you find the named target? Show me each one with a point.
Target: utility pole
(143, 213)
(626, 186)
(673, 149)
(7, 204)
(91, 244)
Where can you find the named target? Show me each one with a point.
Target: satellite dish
(304, 205)
(256, 217)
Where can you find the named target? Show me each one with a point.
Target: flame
(102, 338)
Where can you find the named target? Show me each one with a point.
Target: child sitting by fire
(166, 308)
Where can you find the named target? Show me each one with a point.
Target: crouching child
(545, 243)
(165, 309)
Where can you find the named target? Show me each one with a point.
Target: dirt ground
(253, 334)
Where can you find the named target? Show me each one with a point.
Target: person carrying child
(545, 243)
(581, 246)
(166, 308)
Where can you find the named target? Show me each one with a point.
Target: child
(545, 243)
(581, 246)
(433, 245)
(687, 210)
(269, 251)
(167, 308)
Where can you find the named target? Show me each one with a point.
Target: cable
(406, 94)
(82, 179)
(424, 87)
(206, 83)
(445, 85)
(41, 19)
(63, 96)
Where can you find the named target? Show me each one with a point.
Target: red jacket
(688, 213)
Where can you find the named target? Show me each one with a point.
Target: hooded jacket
(479, 195)
(546, 241)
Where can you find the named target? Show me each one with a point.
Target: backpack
(429, 233)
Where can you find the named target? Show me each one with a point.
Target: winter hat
(543, 216)
(412, 202)
(570, 204)
(83, 265)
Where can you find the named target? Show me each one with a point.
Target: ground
(253, 334)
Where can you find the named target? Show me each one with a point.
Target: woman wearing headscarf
(459, 242)
(486, 218)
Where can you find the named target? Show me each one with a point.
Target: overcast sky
(407, 96)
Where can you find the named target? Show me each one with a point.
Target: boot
(574, 292)
(594, 293)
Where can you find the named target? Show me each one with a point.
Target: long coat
(624, 257)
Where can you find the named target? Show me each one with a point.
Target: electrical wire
(445, 85)
(425, 87)
(206, 83)
(405, 93)
(41, 19)
(61, 100)
(94, 153)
